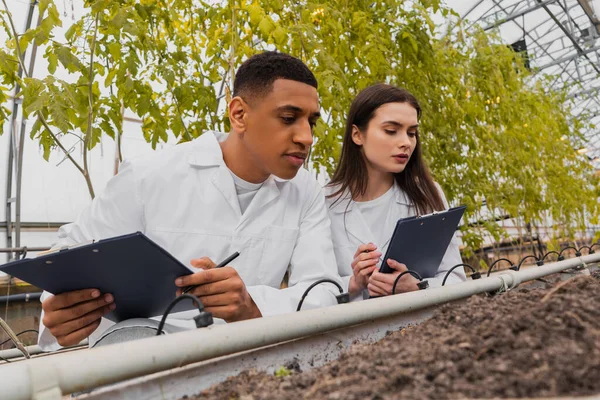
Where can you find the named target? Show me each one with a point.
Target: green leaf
(143, 105)
(68, 59)
(73, 31)
(256, 14)
(115, 50)
(43, 6)
(266, 26)
(46, 143)
(110, 77)
(35, 96)
(60, 114)
(52, 63)
(177, 127)
(280, 35)
(37, 125)
(26, 38)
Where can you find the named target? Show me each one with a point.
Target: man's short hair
(256, 75)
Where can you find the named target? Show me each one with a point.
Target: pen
(220, 265)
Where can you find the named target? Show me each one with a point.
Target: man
(205, 199)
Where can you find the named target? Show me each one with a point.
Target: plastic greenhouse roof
(562, 39)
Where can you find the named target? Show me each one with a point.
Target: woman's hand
(381, 284)
(364, 263)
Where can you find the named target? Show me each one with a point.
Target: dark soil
(524, 343)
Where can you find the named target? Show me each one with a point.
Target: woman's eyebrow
(398, 124)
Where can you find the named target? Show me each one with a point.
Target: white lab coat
(349, 234)
(184, 199)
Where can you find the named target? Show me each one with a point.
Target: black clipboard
(420, 242)
(135, 270)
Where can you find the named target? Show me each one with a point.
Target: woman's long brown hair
(351, 172)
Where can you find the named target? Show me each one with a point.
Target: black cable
(559, 258)
(20, 333)
(413, 273)
(26, 297)
(512, 266)
(595, 244)
(202, 320)
(590, 251)
(577, 253)
(341, 298)
(538, 261)
(4, 359)
(474, 273)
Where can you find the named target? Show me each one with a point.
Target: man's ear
(237, 114)
(357, 136)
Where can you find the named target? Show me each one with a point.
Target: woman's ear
(357, 136)
(237, 114)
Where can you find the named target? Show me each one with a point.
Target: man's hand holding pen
(221, 290)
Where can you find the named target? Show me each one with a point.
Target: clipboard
(135, 270)
(420, 242)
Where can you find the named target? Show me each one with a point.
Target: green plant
(282, 372)
(491, 130)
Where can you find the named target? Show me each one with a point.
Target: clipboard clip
(432, 213)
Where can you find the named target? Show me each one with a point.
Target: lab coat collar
(206, 151)
(267, 193)
(344, 204)
(356, 225)
(401, 196)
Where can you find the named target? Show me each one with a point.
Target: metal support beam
(583, 92)
(21, 250)
(484, 14)
(589, 11)
(518, 15)
(37, 225)
(497, 4)
(568, 34)
(19, 170)
(15, 155)
(472, 9)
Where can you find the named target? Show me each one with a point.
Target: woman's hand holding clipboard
(420, 242)
(381, 284)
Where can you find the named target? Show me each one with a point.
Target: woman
(382, 177)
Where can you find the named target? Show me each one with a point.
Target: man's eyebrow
(289, 107)
(296, 109)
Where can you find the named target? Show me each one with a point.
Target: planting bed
(524, 343)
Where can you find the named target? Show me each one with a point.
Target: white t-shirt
(245, 191)
(376, 216)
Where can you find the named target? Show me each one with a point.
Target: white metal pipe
(15, 353)
(36, 350)
(77, 371)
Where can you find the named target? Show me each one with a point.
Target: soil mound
(524, 343)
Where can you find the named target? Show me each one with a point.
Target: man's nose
(304, 135)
